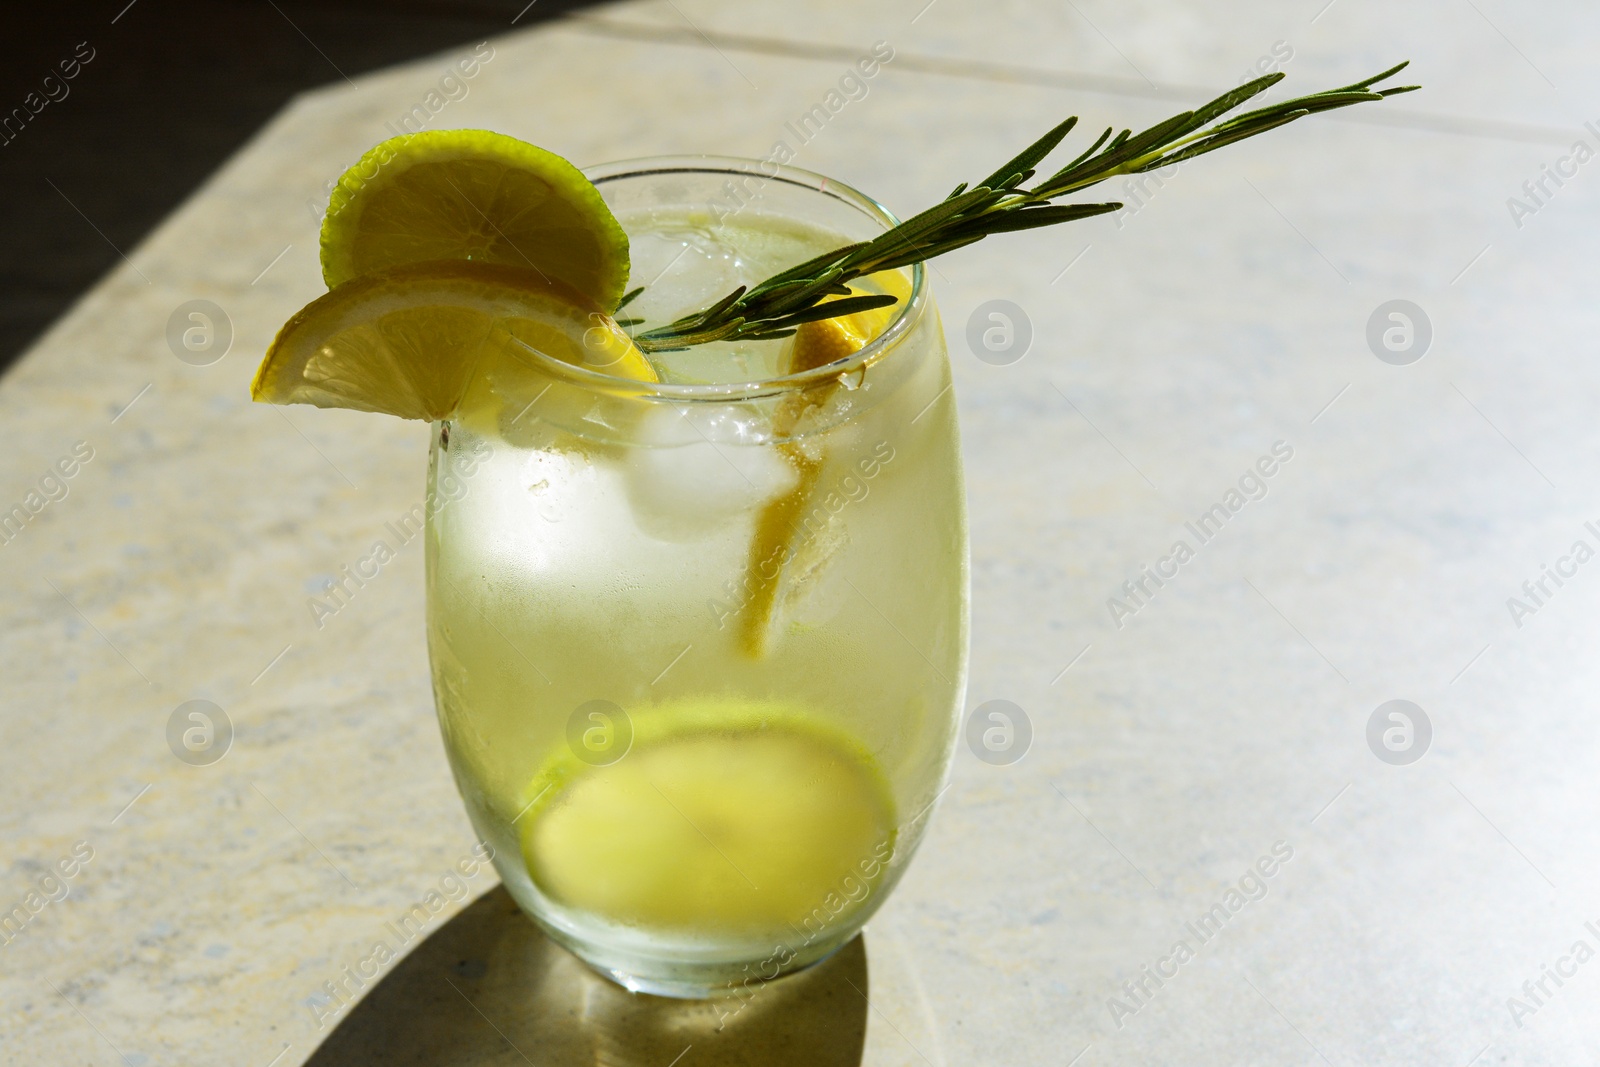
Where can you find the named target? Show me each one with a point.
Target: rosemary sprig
(997, 204)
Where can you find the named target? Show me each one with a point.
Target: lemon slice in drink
(724, 819)
(409, 341)
(815, 344)
(479, 196)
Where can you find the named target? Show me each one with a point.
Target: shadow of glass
(488, 988)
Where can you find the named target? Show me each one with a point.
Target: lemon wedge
(408, 341)
(479, 196)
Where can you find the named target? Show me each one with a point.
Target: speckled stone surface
(1177, 738)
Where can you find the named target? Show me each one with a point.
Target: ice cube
(698, 468)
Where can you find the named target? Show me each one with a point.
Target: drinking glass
(699, 647)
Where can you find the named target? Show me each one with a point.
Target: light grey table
(1178, 738)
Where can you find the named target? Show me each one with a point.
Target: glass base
(684, 967)
(694, 980)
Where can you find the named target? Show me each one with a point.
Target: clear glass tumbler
(699, 648)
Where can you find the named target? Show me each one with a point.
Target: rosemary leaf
(832, 309)
(924, 253)
(1038, 216)
(1230, 100)
(1007, 176)
(1376, 78)
(804, 271)
(1211, 144)
(1087, 152)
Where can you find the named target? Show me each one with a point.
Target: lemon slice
(734, 820)
(408, 341)
(479, 196)
(815, 344)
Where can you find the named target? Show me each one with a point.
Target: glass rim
(906, 316)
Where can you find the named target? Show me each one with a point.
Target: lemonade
(698, 647)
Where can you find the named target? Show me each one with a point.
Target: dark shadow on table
(172, 91)
(489, 989)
